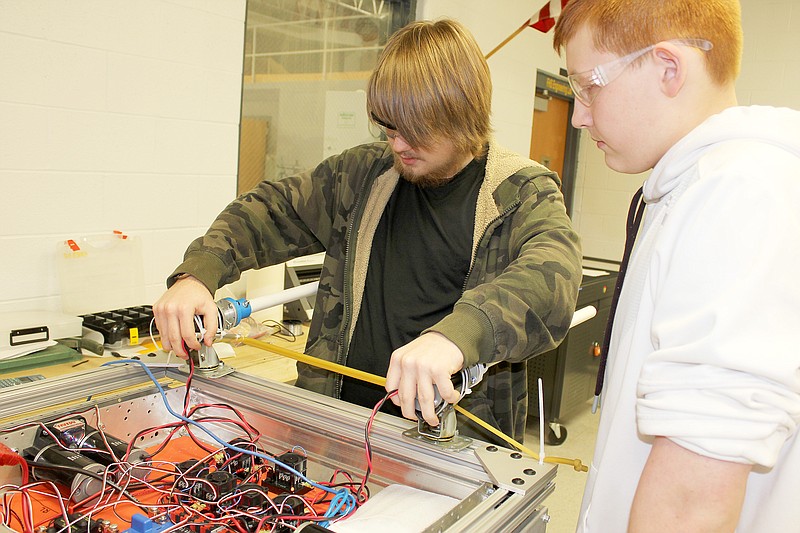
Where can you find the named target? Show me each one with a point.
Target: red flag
(546, 17)
(542, 20)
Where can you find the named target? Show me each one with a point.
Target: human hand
(175, 311)
(415, 368)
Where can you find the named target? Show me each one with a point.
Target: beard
(436, 177)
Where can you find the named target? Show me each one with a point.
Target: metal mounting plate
(510, 469)
(456, 444)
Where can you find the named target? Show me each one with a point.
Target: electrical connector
(142, 524)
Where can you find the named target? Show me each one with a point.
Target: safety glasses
(387, 129)
(586, 85)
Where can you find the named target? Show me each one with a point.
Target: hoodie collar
(776, 126)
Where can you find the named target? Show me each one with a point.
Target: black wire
(163, 445)
(190, 361)
(16, 515)
(368, 445)
(283, 331)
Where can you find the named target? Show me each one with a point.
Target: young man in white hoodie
(701, 400)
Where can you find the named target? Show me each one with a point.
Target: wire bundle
(166, 491)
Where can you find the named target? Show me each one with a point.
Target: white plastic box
(27, 327)
(100, 273)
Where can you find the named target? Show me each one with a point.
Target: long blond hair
(432, 82)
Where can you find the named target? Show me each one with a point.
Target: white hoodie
(704, 349)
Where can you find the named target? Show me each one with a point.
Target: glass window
(306, 65)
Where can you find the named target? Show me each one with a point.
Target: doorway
(554, 142)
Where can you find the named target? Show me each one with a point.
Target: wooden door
(549, 135)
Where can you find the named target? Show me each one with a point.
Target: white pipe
(582, 315)
(279, 298)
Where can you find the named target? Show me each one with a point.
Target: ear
(673, 65)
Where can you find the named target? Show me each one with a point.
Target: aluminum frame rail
(330, 431)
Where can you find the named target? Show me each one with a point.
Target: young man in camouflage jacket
(438, 218)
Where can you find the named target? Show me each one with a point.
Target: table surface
(246, 359)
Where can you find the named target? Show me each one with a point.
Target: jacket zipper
(502, 215)
(348, 291)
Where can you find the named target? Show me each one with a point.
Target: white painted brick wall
(115, 115)
(124, 115)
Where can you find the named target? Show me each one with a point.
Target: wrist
(175, 278)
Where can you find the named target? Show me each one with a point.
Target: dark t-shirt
(418, 264)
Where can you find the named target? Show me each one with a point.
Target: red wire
(10, 458)
(368, 446)
(27, 512)
(237, 419)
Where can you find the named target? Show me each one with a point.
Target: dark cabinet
(569, 372)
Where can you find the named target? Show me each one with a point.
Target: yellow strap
(381, 381)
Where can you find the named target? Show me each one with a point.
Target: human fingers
(426, 400)
(443, 381)
(171, 318)
(176, 309)
(393, 377)
(400, 377)
(209, 313)
(415, 389)
(161, 326)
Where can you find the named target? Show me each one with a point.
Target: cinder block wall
(115, 115)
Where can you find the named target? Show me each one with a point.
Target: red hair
(622, 26)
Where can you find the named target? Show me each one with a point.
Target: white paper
(388, 511)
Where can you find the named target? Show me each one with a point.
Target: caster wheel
(556, 434)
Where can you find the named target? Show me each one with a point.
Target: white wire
(152, 337)
(541, 421)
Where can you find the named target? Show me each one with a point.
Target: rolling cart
(569, 371)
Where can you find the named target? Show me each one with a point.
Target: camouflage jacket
(518, 298)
